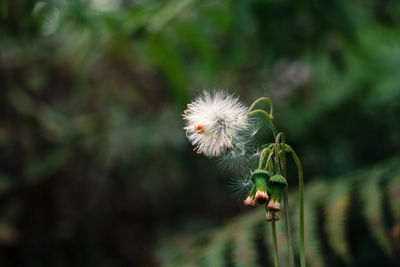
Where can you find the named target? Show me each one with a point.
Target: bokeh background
(95, 169)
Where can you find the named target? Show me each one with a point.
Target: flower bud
(276, 183)
(249, 201)
(260, 177)
(268, 216)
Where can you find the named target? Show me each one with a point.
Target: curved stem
(269, 118)
(262, 157)
(268, 149)
(278, 137)
(268, 160)
(301, 194)
(269, 145)
(273, 229)
(271, 106)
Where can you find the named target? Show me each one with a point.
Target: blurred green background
(95, 169)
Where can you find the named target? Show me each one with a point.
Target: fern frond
(246, 240)
(372, 195)
(245, 247)
(215, 253)
(393, 189)
(315, 196)
(337, 204)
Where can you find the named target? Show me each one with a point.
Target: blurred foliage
(344, 217)
(94, 165)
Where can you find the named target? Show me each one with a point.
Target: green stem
(262, 157)
(282, 157)
(288, 230)
(271, 106)
(301, 193)
(277, 138)
(273, 229)
(269, 118)
(268, 160)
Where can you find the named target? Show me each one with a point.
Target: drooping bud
(276, 184)
(249, 201)
(268, 216)
(260, 178)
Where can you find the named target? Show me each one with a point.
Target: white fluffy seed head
(215, 123)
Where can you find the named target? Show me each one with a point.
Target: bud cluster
(266, 190)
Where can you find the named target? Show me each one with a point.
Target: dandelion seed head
(215, 123)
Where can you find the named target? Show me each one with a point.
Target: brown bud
(261, 197)
(274, 205)
(249, 201)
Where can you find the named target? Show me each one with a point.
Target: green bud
(249, 201)
(260, 178)
(276, 184)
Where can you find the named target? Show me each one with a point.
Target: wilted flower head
(214, 122)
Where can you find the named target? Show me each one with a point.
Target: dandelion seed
(215, 123)
(240, 187)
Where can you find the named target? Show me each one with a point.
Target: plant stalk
(282, 158)
(288, 230)
(301, 196)
(262, 157)
(269, 118)
(271, 106)
(280, 165)
(273, 229)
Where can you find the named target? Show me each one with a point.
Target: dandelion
(215, 123)
(218, 124)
